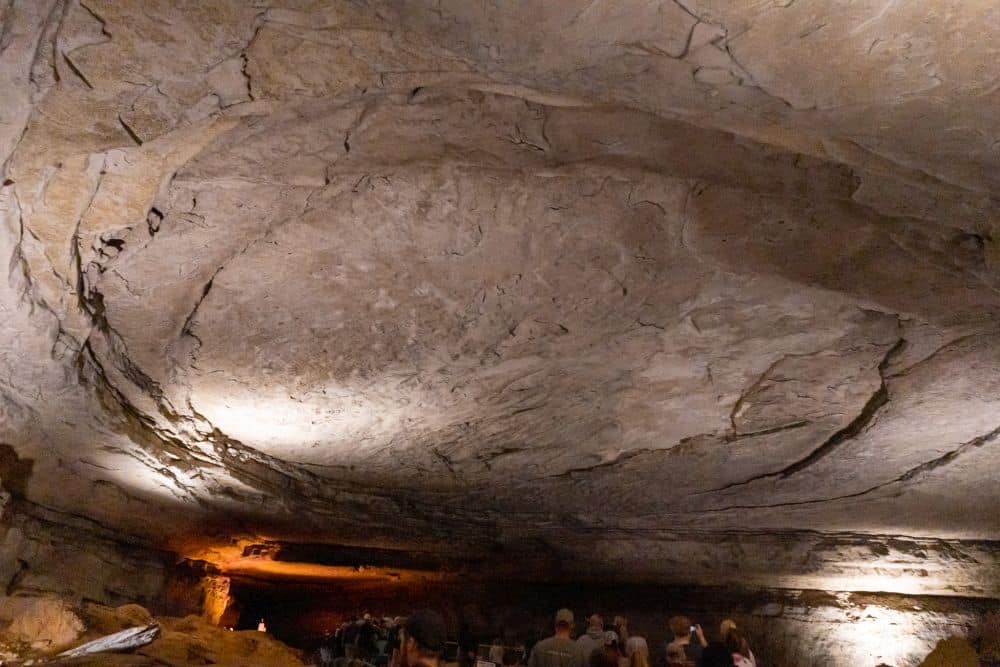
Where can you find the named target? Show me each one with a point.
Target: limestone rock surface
(42, 623)
(650, 290)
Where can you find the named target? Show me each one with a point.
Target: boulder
(103, 620)
(952, 652)
(191, 640)
(41, 623)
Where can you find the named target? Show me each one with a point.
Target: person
(675, 655)
(511, 658)
(613, 647)
(725, 627)
(367, 635)
(682, 645)
(422, 639)
(351, 638)
(601, 658)
(621, 627)
(558, 650)
(392, 636)
(738, 646)
(637, 651)
(326, 649)
(496, 651)
(467, 644)
(593, 638)
(716, 655)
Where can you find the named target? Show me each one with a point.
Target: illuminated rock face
(637, 290)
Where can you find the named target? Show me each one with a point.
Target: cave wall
(46, 552)
(49, 554)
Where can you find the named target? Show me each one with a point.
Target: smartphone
(693, 628)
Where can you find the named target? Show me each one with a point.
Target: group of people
(420, 639)
(365, 638)
(615, 647)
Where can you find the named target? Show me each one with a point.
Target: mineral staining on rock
(624, 281)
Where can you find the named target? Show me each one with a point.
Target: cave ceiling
(682, 290)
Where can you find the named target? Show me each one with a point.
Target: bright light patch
(319, 427)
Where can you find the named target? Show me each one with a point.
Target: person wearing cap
(593, 638)
(422, 639)
(559, 650)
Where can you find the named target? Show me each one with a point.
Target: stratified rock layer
(673, 291)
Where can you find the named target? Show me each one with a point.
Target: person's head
(726, 627)
(596, 621)
(510, 658)
(635, 645)
(423, 637)
(564, 622)
(737, 643)
(680, 626)
(611, 644)
(716, 655)
(638, 659)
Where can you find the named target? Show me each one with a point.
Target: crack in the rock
(30, 292)
(763, 377)
(246, 63)
(856, 426)
(187, 328)
(621, 458)
(76, 70)
(907, 476)
(129, 131)
(107, 38)
(43, 68)
(356, 123)
(6, 24)
(100, 19)
(957, 341)
(947, 458)
(770, 430)
(641, 324)
(743, 75)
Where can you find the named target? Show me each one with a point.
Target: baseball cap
(564, 616)
(428, 629)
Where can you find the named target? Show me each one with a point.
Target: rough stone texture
(695, 291)
(43, 623)
(953, 652)
(130, 629)
(186, 641)
(45, 552)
